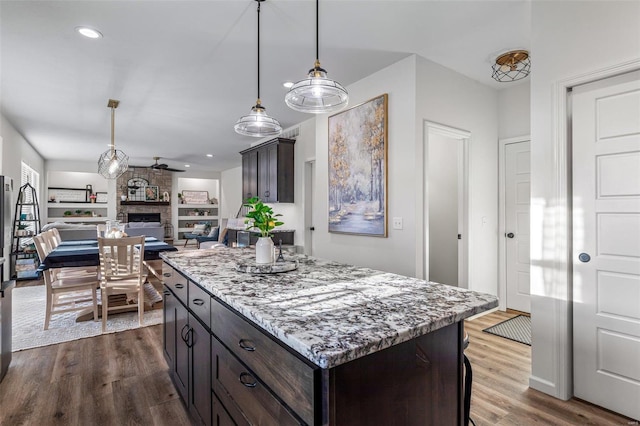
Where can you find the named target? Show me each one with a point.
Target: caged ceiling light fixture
(113, 162)
(258, 123)
(317, 94)
(512, 66)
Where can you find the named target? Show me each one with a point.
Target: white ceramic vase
(264, 250)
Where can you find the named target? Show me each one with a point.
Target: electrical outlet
(397, 223)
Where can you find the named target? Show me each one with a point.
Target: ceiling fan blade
(169, 169)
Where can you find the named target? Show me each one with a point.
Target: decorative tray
(268, 268)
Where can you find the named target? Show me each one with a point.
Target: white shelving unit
(55, 212)
(186, 216)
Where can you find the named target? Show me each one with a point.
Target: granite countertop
(330, 312)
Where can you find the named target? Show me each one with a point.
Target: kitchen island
(327, 343)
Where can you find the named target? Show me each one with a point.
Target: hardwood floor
(501, 393)
(121, 378)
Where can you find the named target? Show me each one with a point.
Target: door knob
(584, 257)
(510, 235)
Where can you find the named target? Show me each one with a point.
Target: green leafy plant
(68, 213)
(261, 217)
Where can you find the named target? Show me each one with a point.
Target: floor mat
(517, 329)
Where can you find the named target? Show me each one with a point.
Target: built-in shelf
(75, 206)
(184, 217)
(78, 219)
(145, 203)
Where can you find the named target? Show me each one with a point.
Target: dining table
(84, 253)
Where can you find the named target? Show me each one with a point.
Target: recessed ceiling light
(288, 84)
(89, 32)
(209, 155)
(187, 165)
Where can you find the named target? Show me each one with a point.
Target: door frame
(556, 333)
(309, 188)
(502, 210)
(463, 204)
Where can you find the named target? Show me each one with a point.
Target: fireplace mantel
(145, 203)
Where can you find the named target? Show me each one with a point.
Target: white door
(517, 201)
(606, 243)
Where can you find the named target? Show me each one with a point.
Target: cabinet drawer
(176, 282)
(289, 377)
(200, 303)
(252, 398)
(220, 415)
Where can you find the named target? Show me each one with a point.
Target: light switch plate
(397, 223)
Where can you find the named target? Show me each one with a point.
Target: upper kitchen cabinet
(267, 171)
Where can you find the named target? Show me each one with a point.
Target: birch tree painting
(358, 169)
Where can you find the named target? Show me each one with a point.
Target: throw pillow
(199, 229)
(215, 232)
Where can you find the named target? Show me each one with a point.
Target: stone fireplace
(144, 217)
(145, 211)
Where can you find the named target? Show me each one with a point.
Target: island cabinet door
(418, 382)
(169, 330)
(200, 371)
(181, 372)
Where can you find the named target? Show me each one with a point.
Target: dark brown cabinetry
(228, 371)
(267, 171)
(187, 344)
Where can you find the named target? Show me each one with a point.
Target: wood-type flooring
(121, 379)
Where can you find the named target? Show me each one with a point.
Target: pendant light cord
(317, 30)
(259, 50)
(113, 126)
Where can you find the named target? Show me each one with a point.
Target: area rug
(28, 321)
(517, 329)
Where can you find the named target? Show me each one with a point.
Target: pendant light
(317, 94)
(113, 162)
(258, 124)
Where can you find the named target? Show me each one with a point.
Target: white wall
(230, 192)
(514, 110)
(15, 150)
(395, 253)
(569, 39)
(448, 98)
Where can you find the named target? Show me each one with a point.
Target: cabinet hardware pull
(198, 302)
(167, 274)
(179, 285)
(190, 338)
(182, 334)
(244, 381)
(246, 347)
(167, 293)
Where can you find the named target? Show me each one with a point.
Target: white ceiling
(185, 71)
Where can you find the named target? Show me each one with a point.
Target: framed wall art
(151, 193)
(358, 169)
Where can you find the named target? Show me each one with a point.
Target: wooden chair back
(121, 257)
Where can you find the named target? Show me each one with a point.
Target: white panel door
(606, 243)
(517, 203)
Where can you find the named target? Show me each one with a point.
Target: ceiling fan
(161, 166)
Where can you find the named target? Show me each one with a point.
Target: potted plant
(262, 218)
(22, 230)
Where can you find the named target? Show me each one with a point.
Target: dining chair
(56, 236)
(121, 272)
(100, 229)
(66, 293)
(49, 243)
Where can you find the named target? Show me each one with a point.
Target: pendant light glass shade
(113, 162)
(317, 94)
(258, 124)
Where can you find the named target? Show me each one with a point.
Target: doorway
(446, 205)
(514, 224)
(309, 188)
(606, 242)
